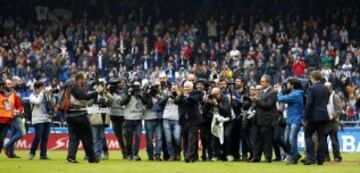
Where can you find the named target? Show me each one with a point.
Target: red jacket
(18, 106)
(298, 68)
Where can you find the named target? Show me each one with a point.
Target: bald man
(190, 119)
(331, 128)
(219, 104)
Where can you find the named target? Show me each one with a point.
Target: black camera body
(134, 89)
(102, 102)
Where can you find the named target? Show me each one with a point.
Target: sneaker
(229, 158)
(338, 159)
(105, 156)
(137, 158)
(290, 162)
(31, 156)
(214, 159)
(158, 158)
(129, 158)
(178, 157)
(172, 158)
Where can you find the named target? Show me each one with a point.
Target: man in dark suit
(315, 118)
(190, 119)
(265, 120)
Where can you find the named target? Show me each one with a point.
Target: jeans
(17, 132)
(172, 131)
(291, 139)
(153, 127)
(133, 130)
(42, 131)
(3, 130)
(98, 132)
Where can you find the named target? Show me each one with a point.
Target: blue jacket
(295, 101)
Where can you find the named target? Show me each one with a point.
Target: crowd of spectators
(144, 38)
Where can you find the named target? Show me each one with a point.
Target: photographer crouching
(74, 102)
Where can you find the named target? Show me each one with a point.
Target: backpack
(64, 102)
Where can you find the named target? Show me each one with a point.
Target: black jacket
(223, 106)
(266, 110)
(189, 109)
(316, 103)
(80, 95)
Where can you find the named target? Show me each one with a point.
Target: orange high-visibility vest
(7, 105)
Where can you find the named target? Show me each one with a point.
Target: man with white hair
(190, 119)
(331, 129)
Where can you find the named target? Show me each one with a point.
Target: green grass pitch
(117, 165)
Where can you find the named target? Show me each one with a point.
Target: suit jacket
(189, 109)
(316, 103)
(266, 109)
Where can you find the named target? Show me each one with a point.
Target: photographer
(75, 101)
(171, 126)
(153, 120)
(294, 98)
(205, 128)
(99, 121)
(240, 94)
(248, 125)
(40, 120)
(219, 106)
(133, 111)
(117, 92)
